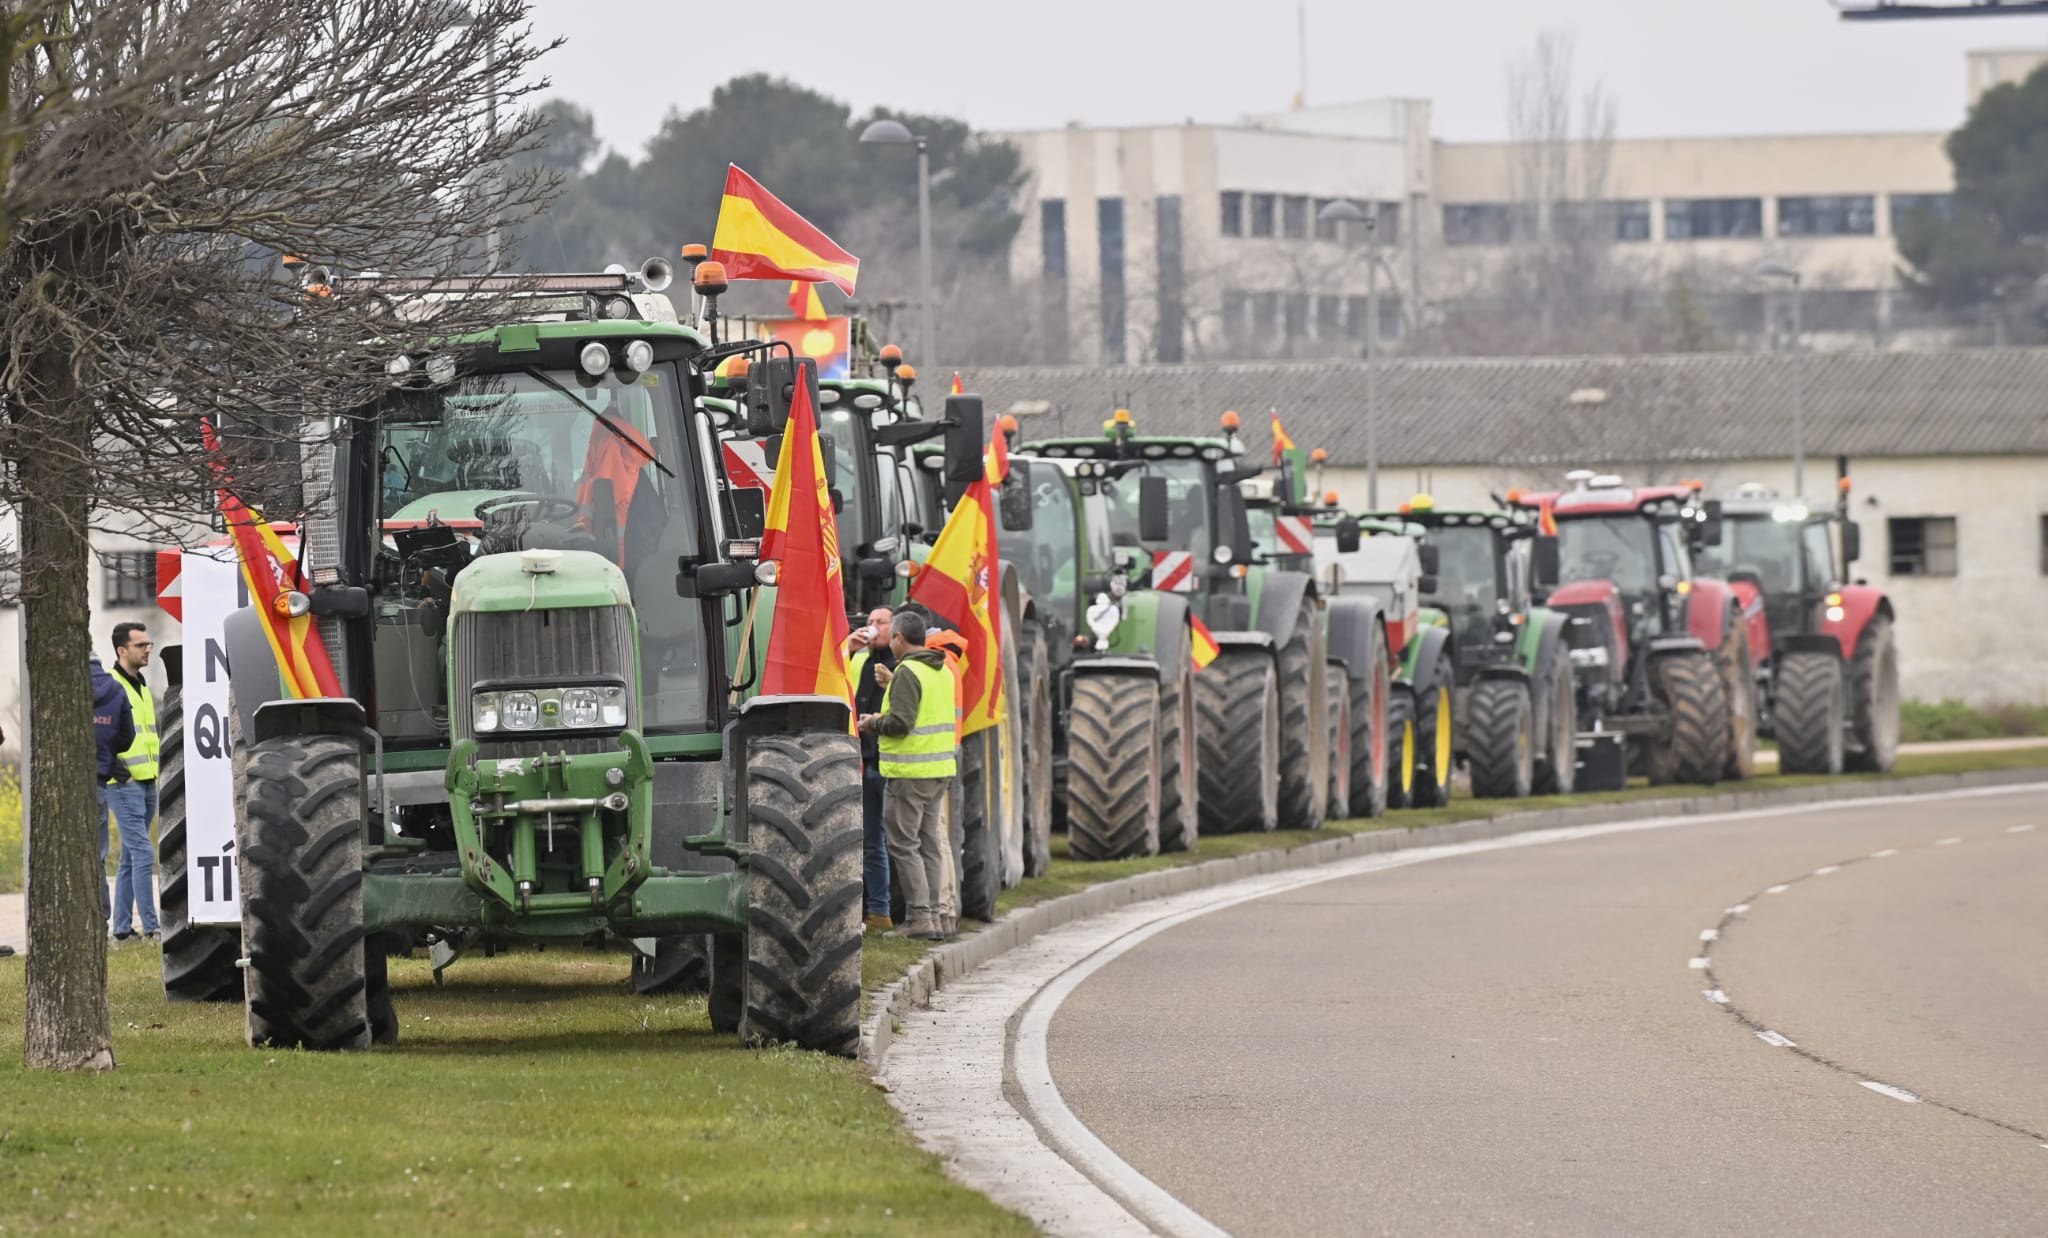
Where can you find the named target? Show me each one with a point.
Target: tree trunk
(67, 1025)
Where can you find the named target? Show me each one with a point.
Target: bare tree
(163, 157)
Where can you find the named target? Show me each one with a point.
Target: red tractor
(1667, 659)
(1831, 692)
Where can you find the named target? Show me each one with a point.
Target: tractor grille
(544, 645)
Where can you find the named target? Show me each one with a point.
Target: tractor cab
(1781, 550)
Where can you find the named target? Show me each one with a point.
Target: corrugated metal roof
(1554, 410)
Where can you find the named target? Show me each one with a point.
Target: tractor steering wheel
(1598, 565)
(549, 506)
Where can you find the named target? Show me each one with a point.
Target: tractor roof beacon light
(907, 375)
(1231, 440)
(737, 373)
(695, 255)
(1420, 503)
(1330, 498)
(710, 283)
(1007, 423)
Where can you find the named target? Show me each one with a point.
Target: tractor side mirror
(1425, 584)
(1349, 538)
(1431, 558)
(1015, 500)
(1234, 523)
(1153, 524)
(964, 439)
(1710, 528)
(825, 449)
(1544, 564)
(771, 392)
(1852, 542)
(749, 511)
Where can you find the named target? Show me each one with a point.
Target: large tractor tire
(680, 964)
(1401, 748)
(1337, 800)
(1180, 816)
(1808, 714)
(1557, 766)
(1237, 704)
(728, 998)
(1371, 688)
(1035, 705)
(802, 979)
(1434, 768)
(1687, 687)
(1874, 698)
(199, 959)
(980, 857)
(1738, 688)
(1304, 754)
(1113, 767)
(301, 846)
(1500, 739)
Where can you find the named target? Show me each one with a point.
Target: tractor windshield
(1622, 549)
(1467, 581)
(842, 443)
(1767, 548)
(1187, 506)
(1047, 554)
(522, 460)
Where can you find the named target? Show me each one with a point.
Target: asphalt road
(1524, 1039)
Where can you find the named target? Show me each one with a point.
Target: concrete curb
(948, 963)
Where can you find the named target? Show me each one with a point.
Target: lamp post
(459, 16)
(892, 133)
(1344, 211)
(1772, 268)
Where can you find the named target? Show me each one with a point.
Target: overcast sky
(1674, 67)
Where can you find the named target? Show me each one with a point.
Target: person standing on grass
(869, 670)
(134, 801)
(113, 727)
(915, 738)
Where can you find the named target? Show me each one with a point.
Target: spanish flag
(804, 302)
(807, 639)
(1200, 643)
(1281, 443)
(757, 237)
(1546, 518)
(955, 585)
(272, 574)
(959, 388)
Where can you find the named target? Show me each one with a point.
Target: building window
(128, 578)
(1326, 229)
(1172, 291)
(1109, 224)
(1923, 545)
(1233, 317)
(1294, 217)
(1265, 315)
(1687, 219)
(1623, 220)
(1388, 223)
(1262, 214)
(1330, 326)
(1485, 223)
(1941, 206)
(1052, 236)
(1850, 215)
(1296, 312)
(1233, 213)
(1390, 317)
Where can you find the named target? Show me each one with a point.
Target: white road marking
(1947, 842)
(1886, 1089)
(1772, 1038)
(1777, 889)
(2021, 829)
(1715, 996)
(1700, 963)
(1885, 854)
(1832, 868)
(1709, 934)
(1738, 909)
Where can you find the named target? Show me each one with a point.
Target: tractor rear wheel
(981, 846)
(199, 959)
(802, 980)
(1337, 801)
(1434, 768)
(1180, 821)
(1035, 705)
(1113, 766)
(1303, 752)
(1738, 687)
(302, 894)
(1371, 740)
(1401, 747)
(1557, 767)
(1874, 698)
(1808, 713)
(1238, 707)
(1687, 687)
(1500, 739)
(680, 964)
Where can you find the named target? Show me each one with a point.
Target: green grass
(1921, 721)
(533, 1095)
(10, 832)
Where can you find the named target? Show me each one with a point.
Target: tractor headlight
(484, 709)
(521, 711)
(639, 356)
(579, 707)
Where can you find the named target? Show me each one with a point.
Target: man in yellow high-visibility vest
(919, 750)
(134, 801)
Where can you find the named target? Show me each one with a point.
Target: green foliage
(1990, 251)
(10, 832)
(1923, 721)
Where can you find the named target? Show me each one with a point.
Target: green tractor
(1508, 655)
(534, 579)
(1116, 731)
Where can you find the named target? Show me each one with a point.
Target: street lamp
(893, 133)
(1772, 268)
(458, 15)
(1344, 211)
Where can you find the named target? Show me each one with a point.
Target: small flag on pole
(757, 237)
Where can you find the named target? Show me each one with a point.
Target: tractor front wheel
(1808, 713)
(1113, 767)
(1434, 772)
(980, 856)
(1035, 704)
(1337, 802)
(1401, 748)
(1874, 698)
(1180, 820)
(1738, 688)
(1557, 770)
(680, 964)
(1303, 754)
(302, 894)
(1687, 688)
(802, 979)
(1238, 708)
(1371, 739)
(1500, 737)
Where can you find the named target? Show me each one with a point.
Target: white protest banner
(212, 590)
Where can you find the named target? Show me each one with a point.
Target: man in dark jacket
(113, 726)
(872, 655)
